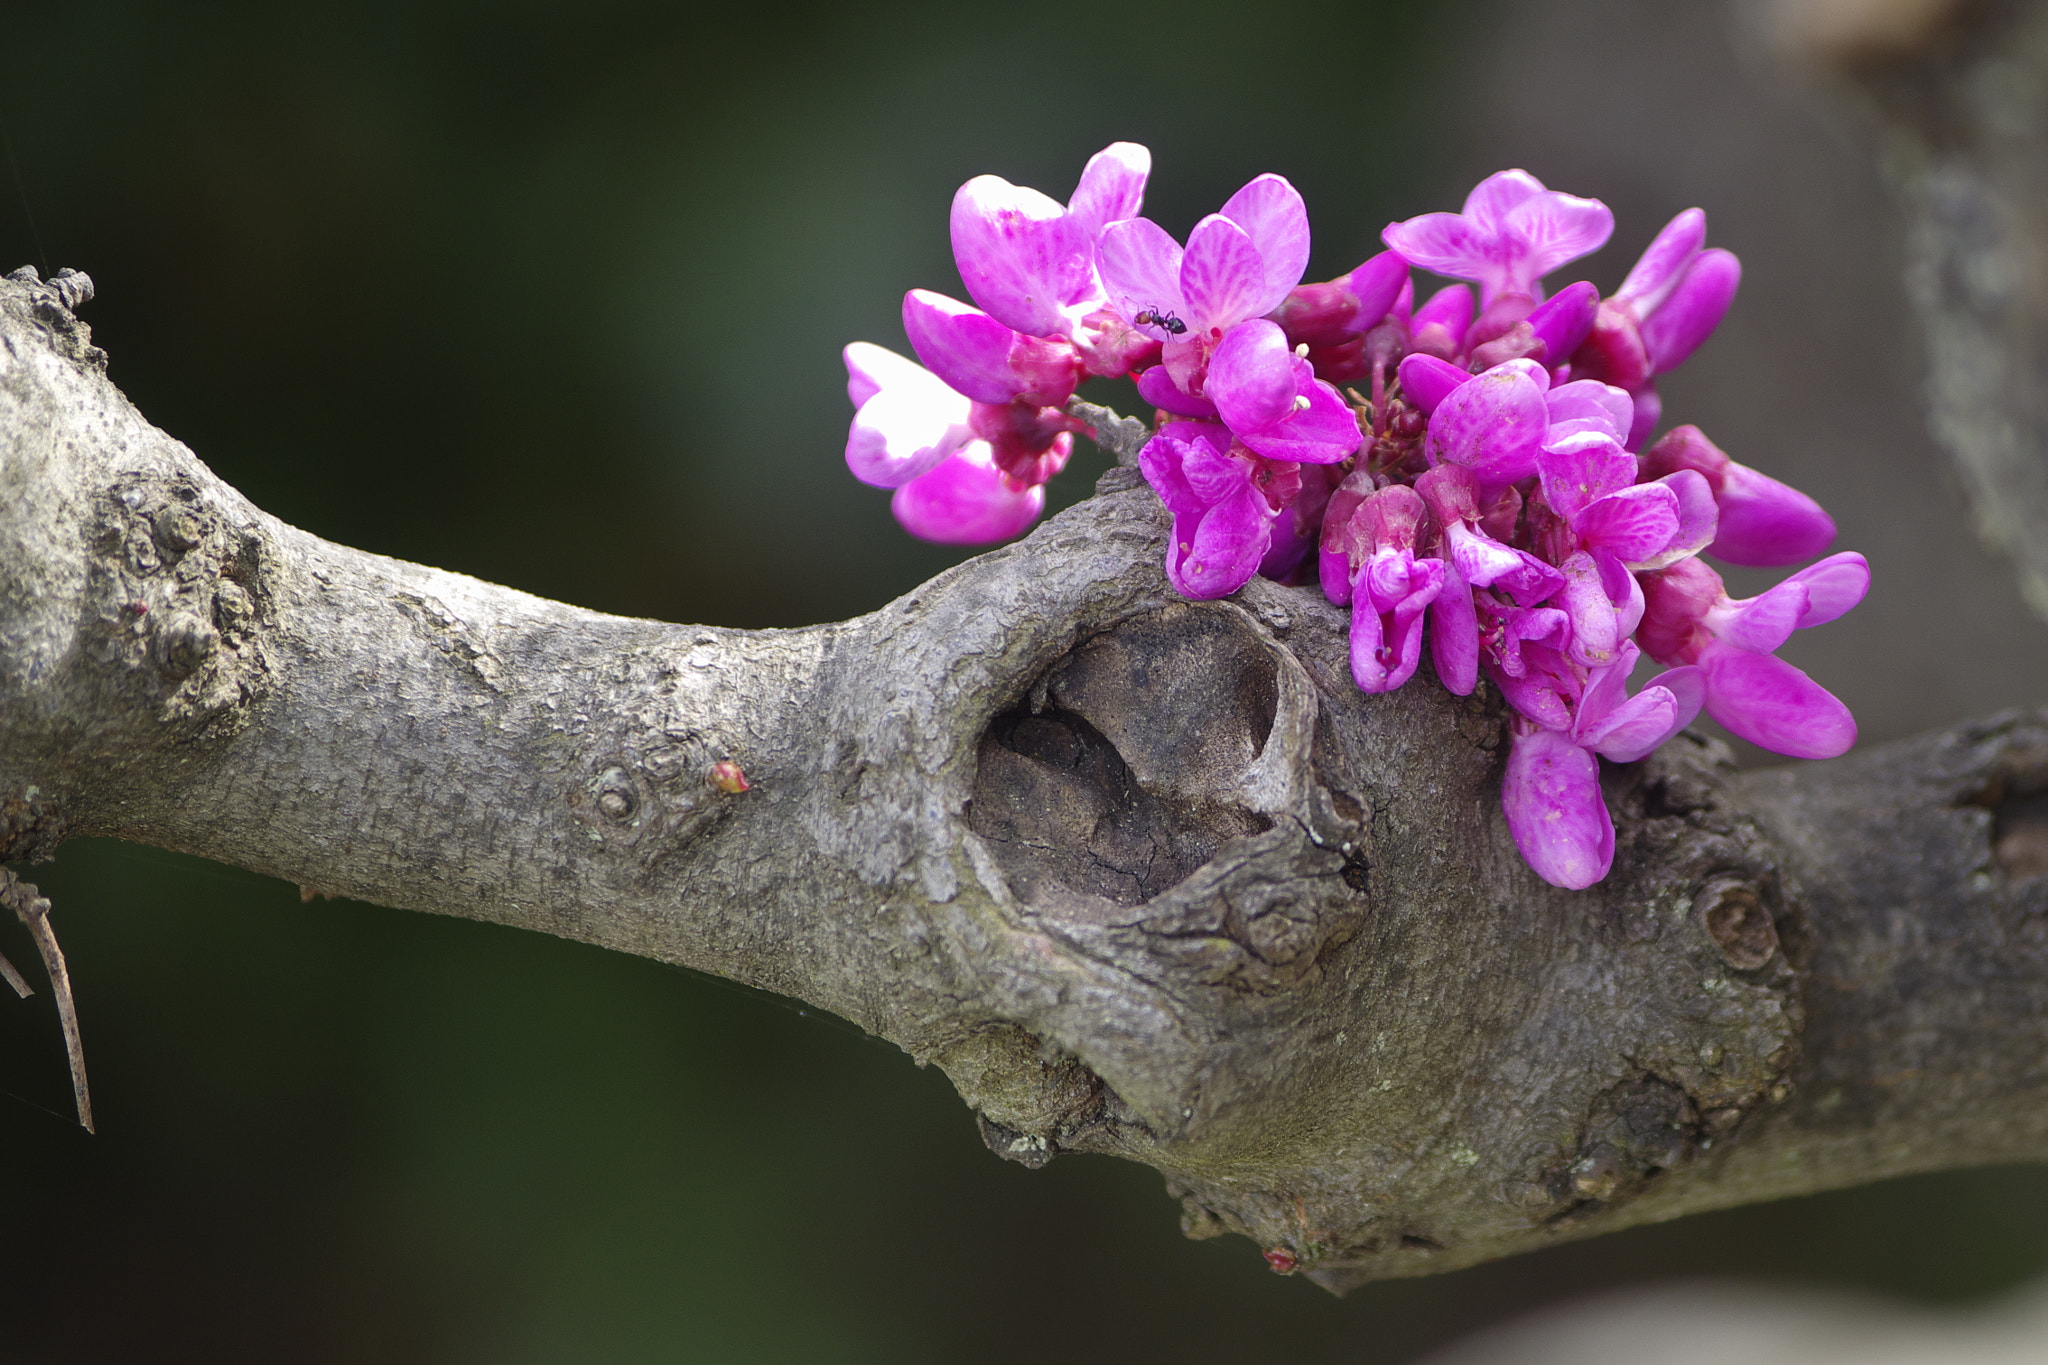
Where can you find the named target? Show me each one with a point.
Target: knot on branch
(50, 306)
(182, 599)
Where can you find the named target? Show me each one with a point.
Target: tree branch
(1954, 93)
(1144, 876)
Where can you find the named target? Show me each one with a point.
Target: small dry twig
(33, 909)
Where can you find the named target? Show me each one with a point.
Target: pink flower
(1690, 619)
(1369, 549)
(1589, 480)
(1551, 792)
(1671, 301)
(1472, 560)
(906, 421)
(1271, 398)
(966, 501)
(1029, 262)
(984, 359)
(912, 433)
(1551, 797)
(1493, 425)
(1511, 233)
(1224, 500)
(1762, 523)
(1239, 264)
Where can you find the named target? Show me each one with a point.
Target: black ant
(1166, 322)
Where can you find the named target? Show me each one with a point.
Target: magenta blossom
(1369, 550)
(1589, 480)
(1239, 264)
(1477, 488)
(1493, 425)
(1224, 500)
(1763, 523)
(1690, 619)
(1438, 327)
(913, 434)
(1473, 559)
(1028, 261)
(1511, 233)
(1271, 398)
(1551, 792)
(1671, 302)
(966, 501)
(906, 422)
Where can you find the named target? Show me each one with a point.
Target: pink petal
(1333, 571)
(871, 368)
(1595, 635)
(1582, 468)
(1228, 543)
(963, 346)
(1324, 432)
(1140, 267)
(1486, 563)
(1551, 797)
(1378, 283)
(1274, 217)
(1386, 619)
(1020, 256)
(1588, 400)
(1623, 590)
(907, 427)
(1156, 387)
(1773, 705)
(1454, 636)
(1664, 262)
(1639, 725)
(1692, 312)
(1493, 198)
(1112, 187)
(1223, 277)
(1165, 458)
(1688, 686)
(1441, 243)
(1606, 689)
(1649, 410)
(1426, 381)
(1539, 693)
(1557, 228)
(965, 501)
(1698, 519)
(1251, 377)
(1347, 538)
(1762, 623)
(1367, 639)
(1450, 309)
(1562, 322)
(1633, 525)
(1493, 425)
(1832, 586)
(1764, 523)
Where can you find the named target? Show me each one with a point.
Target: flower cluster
(1493, 490)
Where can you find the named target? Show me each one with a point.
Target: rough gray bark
(1144, 877)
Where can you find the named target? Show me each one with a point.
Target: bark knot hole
(1125, 771)
(1739, 924)
(615, 796)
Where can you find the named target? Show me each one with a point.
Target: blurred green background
(553, 294)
